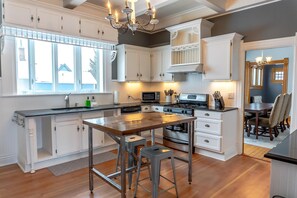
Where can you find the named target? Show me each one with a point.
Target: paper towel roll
(116, 97)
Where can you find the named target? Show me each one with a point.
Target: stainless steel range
(176, 136)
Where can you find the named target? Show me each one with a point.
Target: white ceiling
(171, 12)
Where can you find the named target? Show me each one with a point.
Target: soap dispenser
(88, 102)
(93, 102)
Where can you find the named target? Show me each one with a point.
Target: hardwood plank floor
(256, 152)
(240, 176)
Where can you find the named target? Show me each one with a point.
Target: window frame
(273, 73)
(77, 56)
(259, 84)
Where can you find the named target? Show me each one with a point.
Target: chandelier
(261, 61)
(132, 22)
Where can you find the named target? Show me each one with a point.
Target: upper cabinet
(221, 57)
(57, 20)
(133, 63)
(160, 62)
(19, 14)
(185, 42)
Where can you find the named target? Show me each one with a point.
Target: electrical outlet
(230, 95)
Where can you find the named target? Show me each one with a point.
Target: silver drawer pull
(206, 141)
(207, 125)
(206, 114)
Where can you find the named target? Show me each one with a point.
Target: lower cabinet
(98, 136)
(49, 140)
(216, 134)
(67, 135)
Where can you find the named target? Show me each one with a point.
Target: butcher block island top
(136, 122)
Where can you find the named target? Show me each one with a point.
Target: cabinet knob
(160, 74)
(163, 74)
(102, 32)
(206, 114)
(77, 128)
(206, 141)
(83, 128)
(140, 75)
(207, 125)
(38, 19)
(98, 31)
(32, 18)
(137, 75)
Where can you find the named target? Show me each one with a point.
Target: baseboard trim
(7, 160)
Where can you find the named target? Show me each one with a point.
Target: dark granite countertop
(286, 151)
(57, 111)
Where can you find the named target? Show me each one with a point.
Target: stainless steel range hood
(191, 68)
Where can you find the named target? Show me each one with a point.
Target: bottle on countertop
(88, 102)
(93, 102)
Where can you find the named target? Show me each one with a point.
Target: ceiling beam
(71, 4)
(216, 5)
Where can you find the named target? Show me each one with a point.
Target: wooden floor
(256, 152)
(239, 177)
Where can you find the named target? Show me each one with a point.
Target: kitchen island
(284, 167)
(120, 126)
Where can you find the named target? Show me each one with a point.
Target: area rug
(74, 165)
(265, 141)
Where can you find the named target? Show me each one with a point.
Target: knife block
(219, 103)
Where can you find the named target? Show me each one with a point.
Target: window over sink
(49, 67)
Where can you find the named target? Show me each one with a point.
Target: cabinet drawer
(208, 114)
(209, 126)
(68, 117)
(157, 108)
(208, 141)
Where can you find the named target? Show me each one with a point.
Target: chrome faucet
(67, 100)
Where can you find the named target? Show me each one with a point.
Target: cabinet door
(156, 66)
(70, 25)
(132, 65)
(217, 60)
(145, 66)
(98, 137)
(109, 34)
(19, 14)
(49, 20)
(67, 137)
(166, 63)
(90, 28)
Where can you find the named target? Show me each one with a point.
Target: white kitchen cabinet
(216, 134)
(133, 63)
(221, 57)
(90, 28)
(160, 62)
(49, 20)
(19, 14)
(70, 25)
(109, 33)
(68, 134)
(185, 41)
(98, 136)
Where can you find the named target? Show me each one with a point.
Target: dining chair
(288, 109)
(282, 113)
(257, 99)
(272, 121)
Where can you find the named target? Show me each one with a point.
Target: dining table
(257, 109)
(117, 127)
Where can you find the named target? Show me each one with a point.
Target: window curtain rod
(51, 37)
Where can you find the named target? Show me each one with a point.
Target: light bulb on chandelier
(131, 21)
(260, 60)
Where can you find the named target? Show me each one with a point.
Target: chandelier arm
(147, 29)
(148, 22)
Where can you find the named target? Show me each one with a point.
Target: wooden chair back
(288, 107)
(283, 108)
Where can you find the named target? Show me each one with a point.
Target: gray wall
(270, 21)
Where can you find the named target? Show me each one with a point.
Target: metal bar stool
(131, 143)
(155, 154)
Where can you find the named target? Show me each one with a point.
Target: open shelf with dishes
(185, 41)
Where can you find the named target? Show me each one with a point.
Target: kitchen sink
(70, 108)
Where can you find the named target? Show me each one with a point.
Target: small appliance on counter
(150, 97)
(219, 101)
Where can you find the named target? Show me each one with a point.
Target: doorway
(259, 81)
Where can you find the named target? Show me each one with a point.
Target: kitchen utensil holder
(168, 99)
(219, 103)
